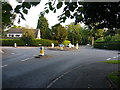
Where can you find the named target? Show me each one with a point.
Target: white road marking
(12, 53)
(4, 66)
(31, 57)
(117, 55)
(114, 57)
(108, 59)
(25, 59)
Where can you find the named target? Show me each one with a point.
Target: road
(58, 69)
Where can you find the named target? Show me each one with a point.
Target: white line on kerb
(4, 66)
(108, 59)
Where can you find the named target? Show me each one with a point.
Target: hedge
(43, 42)
(34, 42)
(66, 42)
(108, 45)
(10, 42)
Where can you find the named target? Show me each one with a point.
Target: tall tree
(7, 15)
(74, 33)
(93, 14)
(59, 32)
(43, 26)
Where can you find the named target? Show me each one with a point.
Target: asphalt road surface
(80, 68)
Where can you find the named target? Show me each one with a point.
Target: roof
(20, 30)
(15, 30)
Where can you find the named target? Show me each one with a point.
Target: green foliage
(43, 26)
(100, 40)
(10, 42)
(116, 37)
(34, 42)
(114, 77)
(98, 15)
(59, 33)
(66, 42)
(27, 36)
(77, 34)
(59, 5)
(7, 15)
(113, 61)
(43, 42)
(108, 38)
(108, 45)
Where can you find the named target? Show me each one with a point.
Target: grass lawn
(113, 61)
(115, 77)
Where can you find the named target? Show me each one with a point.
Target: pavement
(81, 68)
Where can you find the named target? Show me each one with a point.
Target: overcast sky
(33, 15)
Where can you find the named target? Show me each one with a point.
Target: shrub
(100, 40)
(116, 37)
(108, 45)
(66, 42)
(34, 42)
(108, 38)
(43, 42)
(10, 42)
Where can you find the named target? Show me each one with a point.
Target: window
(17, 35)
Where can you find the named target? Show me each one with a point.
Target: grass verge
(113, 61)
(115, 78)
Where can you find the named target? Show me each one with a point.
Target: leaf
(65, 8)
(18, 20)
(22, 16)
(34, 3)
(71, 17)
(17, 9)
(25, 11)
(47, 11)
(26, 4)
(59, 5)
(55, 11)
(67, 13)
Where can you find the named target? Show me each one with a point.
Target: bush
(100, 40)
(108, 45)
(43, 42)
(10, 42)
(116, 37)
(108, 38)
(34, 42)
(66, 42)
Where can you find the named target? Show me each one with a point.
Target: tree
(43, 26)
(59, 33)
(49, 34)
(93, 14)
(74, 33)
(27, 36)
(7, 15)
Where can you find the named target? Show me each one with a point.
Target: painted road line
(108, 59)
(117, 55)
(25, 59)
(4, 66)
(114, 57)
(12, 53)
(31, 57)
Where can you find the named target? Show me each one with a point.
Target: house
(17, 33)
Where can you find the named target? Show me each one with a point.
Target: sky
(33, 15)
